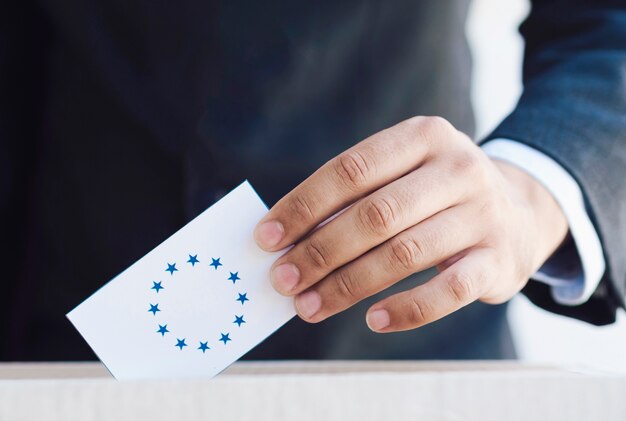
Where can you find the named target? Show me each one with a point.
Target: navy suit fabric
(573, 109)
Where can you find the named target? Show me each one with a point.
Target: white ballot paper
(194, 304)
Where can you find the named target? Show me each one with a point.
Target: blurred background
(539, 336)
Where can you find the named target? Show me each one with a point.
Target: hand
(422, 195)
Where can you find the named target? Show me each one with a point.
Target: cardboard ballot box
(316, 391)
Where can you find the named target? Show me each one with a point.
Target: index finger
(363, 168)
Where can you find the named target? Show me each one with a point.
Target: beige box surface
(316, 391)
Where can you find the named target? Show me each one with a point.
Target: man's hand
(422, 195)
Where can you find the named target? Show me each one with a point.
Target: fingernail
(269, 234)
(308, 303)
(285, 277)
(378, 320)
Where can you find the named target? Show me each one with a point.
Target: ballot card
(194, 304)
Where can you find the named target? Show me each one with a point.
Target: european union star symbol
(234, 277)
(239, 320)
(215, 262)
(193, 260)
(165, 312)
(197, 309)
(243, 298)
(171, 268)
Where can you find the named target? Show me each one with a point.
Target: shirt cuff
(572, 280)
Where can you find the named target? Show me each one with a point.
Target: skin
(419, 194)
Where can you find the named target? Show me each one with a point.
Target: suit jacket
(573, 109)
(121, 121)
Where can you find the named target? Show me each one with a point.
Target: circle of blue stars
(181, 342)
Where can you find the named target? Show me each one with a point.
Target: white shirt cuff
(567, 287)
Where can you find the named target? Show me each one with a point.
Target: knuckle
(353, 169)
(419, 313)
(461, 287)
(347, 287)
(406, 253)
(378, 215)
(428, 123)
(434, 124)
(317, 254)
(429, 129)
(414, 124)
(302, 208)
(464, 162)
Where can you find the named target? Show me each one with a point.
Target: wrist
(544, 218)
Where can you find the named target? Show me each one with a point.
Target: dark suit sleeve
(573, 109)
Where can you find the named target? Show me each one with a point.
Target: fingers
(457, 286)
(415, 249)
(368, 223)
(358, 171)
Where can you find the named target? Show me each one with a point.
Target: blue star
(180, 343)
(225, 338)
(193, 260)
(243, 298)
(162, 330)
(171, 268)
(215, 262)
(157, 286)
(154, 308)
(239, 320)
(234, 277)
(204, 346)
